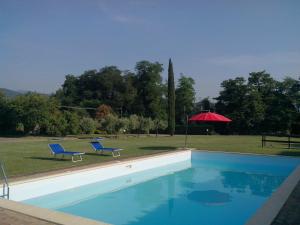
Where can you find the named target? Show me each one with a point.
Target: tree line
(108, 100)
(261, 104)
(114, 101)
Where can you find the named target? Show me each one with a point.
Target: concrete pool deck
(9, 217)
(13, 213)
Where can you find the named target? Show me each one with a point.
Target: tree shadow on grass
(157, 148)
(49, 158)
(290, 153)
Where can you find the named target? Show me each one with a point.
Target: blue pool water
(211, 189)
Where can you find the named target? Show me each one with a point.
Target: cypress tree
(171, 99)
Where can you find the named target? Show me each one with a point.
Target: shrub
(73, 122)
(133, 123)
(146, 124)
(87, 125)
(109, 124)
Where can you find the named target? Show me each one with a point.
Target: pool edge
(73, 170)
(65, 218)
(46, 214)
(267, 213)
(263, 216)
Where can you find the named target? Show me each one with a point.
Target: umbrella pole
(186, 130)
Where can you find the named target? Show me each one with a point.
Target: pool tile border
(46, 214)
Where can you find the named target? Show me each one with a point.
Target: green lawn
(30, 155)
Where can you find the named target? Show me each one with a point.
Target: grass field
(30, 155)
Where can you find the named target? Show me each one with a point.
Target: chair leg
(78, 160)
(117, 154)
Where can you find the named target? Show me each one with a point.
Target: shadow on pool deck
(157, 148)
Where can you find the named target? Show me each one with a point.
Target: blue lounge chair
(57, 149)
(97, 146)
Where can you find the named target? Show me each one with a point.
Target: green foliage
(146, 124)
(204, 105)
(159, 124)
(110, 124)
(33, 110)
(7, 116)
(257, 104)
(185, 98)
(56, 125)
(130, 92)
(134, 123)
(260, 105)
(171, 99)
(149, 89)
(123, 125)
(87, 125)
(69, 92)
(73, 122)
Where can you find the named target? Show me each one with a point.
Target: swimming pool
(209, 189)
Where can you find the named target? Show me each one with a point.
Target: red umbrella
(209, 117)
(205, 117)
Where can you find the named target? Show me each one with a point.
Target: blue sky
(41, 41)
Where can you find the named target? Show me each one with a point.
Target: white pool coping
(264, 215)
(22, 190)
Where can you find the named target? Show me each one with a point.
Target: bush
(122, 125)
(33, 110)
(146, 124)
(73, 122)
(159, 125)
(133, 123)
(109, 124)
(55, 125)
(87, 125)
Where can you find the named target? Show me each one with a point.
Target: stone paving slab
(8, 217)
(290, 213)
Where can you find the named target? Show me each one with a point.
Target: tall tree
(185, 98)
(34, 110)
(7, 115)
(149, 89)
(231, 102)
(171, 99)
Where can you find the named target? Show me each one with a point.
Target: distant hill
(10, 93)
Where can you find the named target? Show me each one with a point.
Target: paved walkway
(290, 213)
(8, 217)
